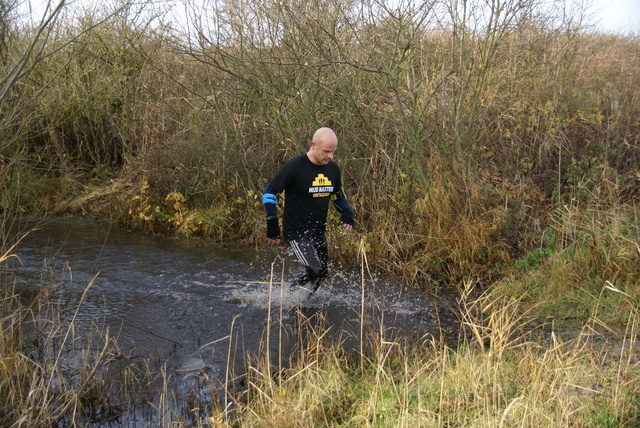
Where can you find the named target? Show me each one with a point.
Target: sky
(617, 15)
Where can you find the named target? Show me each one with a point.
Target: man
(309, 181)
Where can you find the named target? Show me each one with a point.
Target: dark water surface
(180, 300)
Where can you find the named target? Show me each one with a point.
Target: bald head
(324, 134)
(323, 146)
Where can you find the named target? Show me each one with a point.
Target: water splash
(280, 295)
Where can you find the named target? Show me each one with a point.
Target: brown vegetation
(479, 146)
(460, 142)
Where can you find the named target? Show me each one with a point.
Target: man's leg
(321, 252)
(312, 255)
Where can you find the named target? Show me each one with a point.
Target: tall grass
(54, 372)
(500, 375)
(459, 137)
(515, 363)
(587, 254)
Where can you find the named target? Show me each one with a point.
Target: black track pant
(311, 252)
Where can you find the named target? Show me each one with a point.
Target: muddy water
(187, 302)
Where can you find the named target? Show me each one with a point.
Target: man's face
(322, 151)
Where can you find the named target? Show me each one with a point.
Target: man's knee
(317, 272)
(314, 272)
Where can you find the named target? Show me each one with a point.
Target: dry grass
(456, 146)
(51, 373)
(501, 376)
(512, 367)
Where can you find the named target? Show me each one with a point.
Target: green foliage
(590, 270)
(533, 258)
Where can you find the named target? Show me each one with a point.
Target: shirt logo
(321, 186)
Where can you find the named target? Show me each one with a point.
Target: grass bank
(499, 377)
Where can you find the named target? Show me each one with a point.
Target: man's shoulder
(295, 161)
(286, 165)
(332, 164)
(332, 168)
(300, 158)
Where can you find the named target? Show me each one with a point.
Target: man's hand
(273, 230)
(347, 226)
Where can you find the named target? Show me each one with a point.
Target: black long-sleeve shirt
(308, 189)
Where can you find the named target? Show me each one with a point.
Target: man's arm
(342, 205)
(269, 201)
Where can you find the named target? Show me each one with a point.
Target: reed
(517, 362)
(502, 374)
(54, 372)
